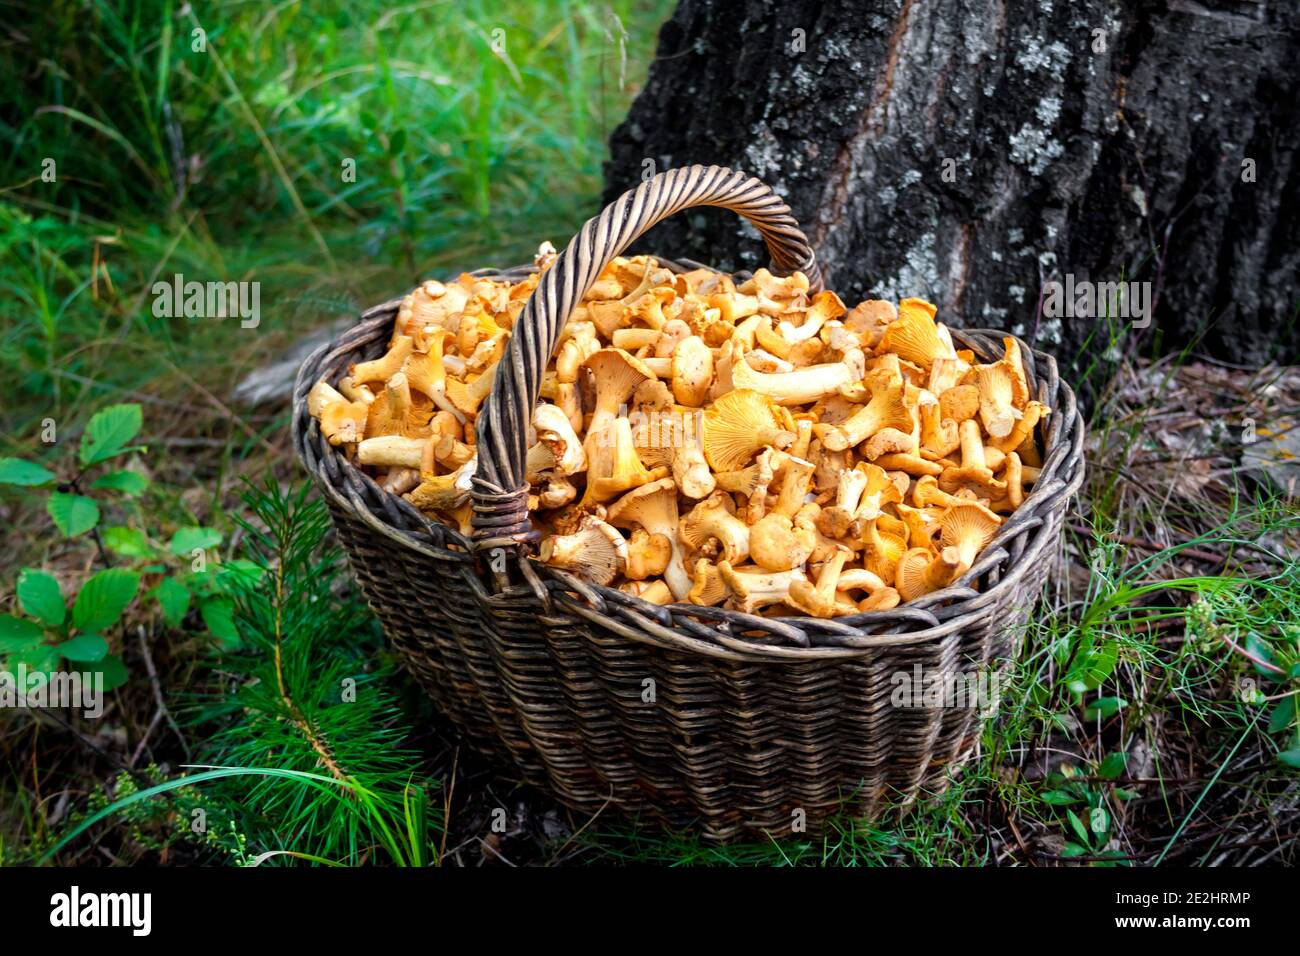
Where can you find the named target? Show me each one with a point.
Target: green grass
(474, 131)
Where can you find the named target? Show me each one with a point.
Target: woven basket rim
(716, 631)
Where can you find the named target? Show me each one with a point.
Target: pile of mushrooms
(710, 442)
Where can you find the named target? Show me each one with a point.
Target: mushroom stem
(392, 451)
(752, 589)
(387, 365)
(802, 386)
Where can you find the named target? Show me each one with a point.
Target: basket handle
(500, 487)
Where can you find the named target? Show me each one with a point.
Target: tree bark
(973, 151)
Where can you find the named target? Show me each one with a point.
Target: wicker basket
(729, 723)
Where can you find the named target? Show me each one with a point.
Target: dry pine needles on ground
(710, 441)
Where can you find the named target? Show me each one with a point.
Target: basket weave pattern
(748, 719)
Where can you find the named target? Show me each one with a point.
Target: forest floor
(1150, 719)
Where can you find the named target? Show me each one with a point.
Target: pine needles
(307, 760)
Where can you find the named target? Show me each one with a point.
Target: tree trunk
(974, 152)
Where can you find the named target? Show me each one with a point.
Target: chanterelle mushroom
(617, 375)
(973, 472)
(596, 552)
(656, 592)
(709, 588)
(395, 412)
(996, 384)
(613, 465)
(777, 544)
(819, 599)
(714, 518)
(881, 550)
(468, 397)
(692, 371)
(393, 451)
(914, 335)
(752, 588)
(964, 530)
(1023, 430)
(556, 435)
(387, 365)
(751, 483)
(653, 506)
(341, 421)
(834, 521)
(691, 472)
(880, 491)
(885, 410)
(647, 554)
(444, 492)
(808, 384)
(1014, 477)
(738, 425)
(939, 436)
(920, 571)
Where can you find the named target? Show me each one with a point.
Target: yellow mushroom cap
(709, 587)
(996, 384)
(920, 571)
(777, 544)
(647, 554)
(914, 336)
(968, 528)
(596, 552)
(960, 403)
(617, 374)
(739, 424)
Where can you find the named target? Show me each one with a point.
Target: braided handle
(500, 488)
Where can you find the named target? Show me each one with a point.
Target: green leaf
(103, 599)
(127, 482)
(42, 658)
(1077, 825)
(1092, 667)
(185, 540)
(1283, 715)
(1073, 850)
(130, 542)
(39, 594)
(114, 671)
(174, 599)
(1258, 647)
(108, 431)
(1059, 797)
(1295, 672)
(84, 647)
(1113, 766)
(397, 142)
(17, 471)
(219, 616)
(1290, 757)
(1104, 707)
(73, 514)
(18, 634)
